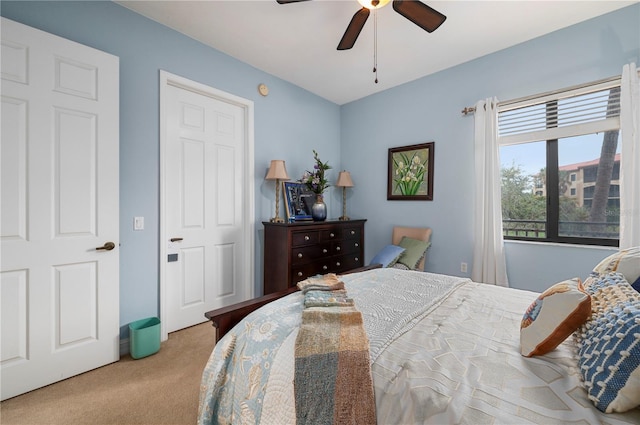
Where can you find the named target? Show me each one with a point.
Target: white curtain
(630, 158)
(489, 265)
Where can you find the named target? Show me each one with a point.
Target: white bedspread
(445, 350)
(462, 365)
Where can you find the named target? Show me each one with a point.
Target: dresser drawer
(334, 234)
(305, 238)
(351, 261)
(301, 272)
(305, 254)
(330, 265)
(348, 246)
(352, 232)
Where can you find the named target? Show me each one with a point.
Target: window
(560, 166)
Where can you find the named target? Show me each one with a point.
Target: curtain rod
(471, 109)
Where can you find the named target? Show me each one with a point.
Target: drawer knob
(299, 255)
(300, 274)
(332, 235)
(337, 248)
(357, 244)
(324, 267)
(353, 232)
(357, 259)
(306, 237)
(338, 264)
(324, 251)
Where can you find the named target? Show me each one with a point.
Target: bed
(443, 350)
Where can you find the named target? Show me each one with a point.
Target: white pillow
(553, 316)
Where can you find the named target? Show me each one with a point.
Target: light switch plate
(138, 223)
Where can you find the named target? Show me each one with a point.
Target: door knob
(175, 239)
(106, 247)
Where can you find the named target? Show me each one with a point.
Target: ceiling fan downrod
(375, 42)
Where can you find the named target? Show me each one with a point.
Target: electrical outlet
(463, 267)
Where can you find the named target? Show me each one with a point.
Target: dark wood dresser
(295, 251)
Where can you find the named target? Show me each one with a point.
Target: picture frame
(298, 200)
(410, 173)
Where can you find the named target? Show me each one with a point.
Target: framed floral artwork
(410, 174)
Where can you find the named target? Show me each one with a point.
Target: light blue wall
(429, 109)
(289, 123)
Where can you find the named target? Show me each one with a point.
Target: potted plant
(316, 181)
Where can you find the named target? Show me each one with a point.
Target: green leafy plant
(316, 180)
(409, 172)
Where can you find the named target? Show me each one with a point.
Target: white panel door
(204, 188)
(59, 294)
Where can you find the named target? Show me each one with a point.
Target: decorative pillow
(388, 255)
(609, 345)
(636, 285)
(400, 266)
(414, 251)
(553, 316)
(626, 261)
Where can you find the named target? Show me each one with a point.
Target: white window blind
(573, 112)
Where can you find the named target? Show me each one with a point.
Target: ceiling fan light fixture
(373, 4)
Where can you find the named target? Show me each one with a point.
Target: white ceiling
(297, 42)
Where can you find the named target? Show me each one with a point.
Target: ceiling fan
(417, 12)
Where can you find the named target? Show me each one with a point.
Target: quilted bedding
(444, 350)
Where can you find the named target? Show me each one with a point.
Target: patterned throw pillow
(626, 261)
(636, 284)
(553, 316)
(414, 251)
(609, 345)
(388, 255)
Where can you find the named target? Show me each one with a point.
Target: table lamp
(277, 171)
(344, 181)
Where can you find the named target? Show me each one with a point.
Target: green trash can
(144, 337)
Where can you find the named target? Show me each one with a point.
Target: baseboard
(124, 346)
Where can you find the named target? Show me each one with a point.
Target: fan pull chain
(375, 44)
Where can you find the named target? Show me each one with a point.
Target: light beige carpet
(159, 389)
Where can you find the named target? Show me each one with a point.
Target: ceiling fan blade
(420, 14)
(353, 30)
(289, 1)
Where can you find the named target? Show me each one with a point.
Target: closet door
(205, 185)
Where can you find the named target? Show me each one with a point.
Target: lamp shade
(344, 179)
(277, 170)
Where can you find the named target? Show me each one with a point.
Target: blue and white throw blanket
(234, 382)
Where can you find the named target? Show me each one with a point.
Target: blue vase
(319, 209)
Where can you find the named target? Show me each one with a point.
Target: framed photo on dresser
(298, 200)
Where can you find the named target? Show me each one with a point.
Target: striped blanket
(333, 383)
